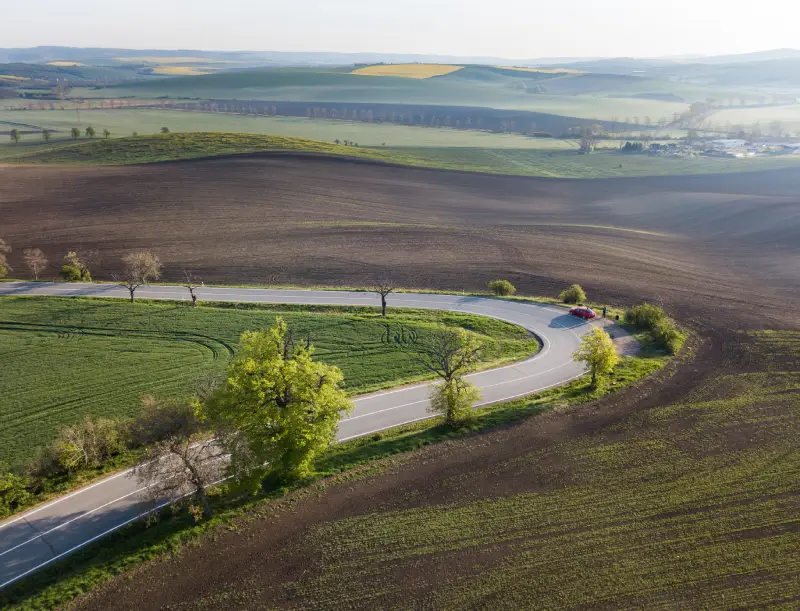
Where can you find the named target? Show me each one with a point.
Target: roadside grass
(174, 531)
(556, 163)
(63, 358)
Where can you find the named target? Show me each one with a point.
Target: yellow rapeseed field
(9, 77)
(182, 70)
(418, 71)
(65, 64)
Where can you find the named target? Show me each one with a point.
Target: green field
(63, 358)
(788, 116)
(522, 162)
(147, 121)
(687, 505)
(474, 86)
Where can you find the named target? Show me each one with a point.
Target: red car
(581, 312)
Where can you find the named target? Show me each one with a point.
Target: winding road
(38, 537)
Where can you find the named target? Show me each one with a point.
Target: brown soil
(721, 253)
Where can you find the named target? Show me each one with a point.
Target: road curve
(53, 530)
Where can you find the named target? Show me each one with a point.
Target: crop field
(459, 88)
(182, 70)
(539, 157)
(150, 121)
(417, 71)
(788, 116)
(99, 357)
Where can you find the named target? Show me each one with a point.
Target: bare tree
(35, 260)
(176, 463)
(141, 266)
(192, 283)
(383, 288)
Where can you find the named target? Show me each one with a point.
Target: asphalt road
(51, 531)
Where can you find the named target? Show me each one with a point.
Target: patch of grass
(63, 358)
(87, 569)
(522, 162)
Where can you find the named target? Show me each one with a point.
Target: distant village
(724, 148)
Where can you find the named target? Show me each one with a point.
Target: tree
(574, 294)
(384, 287)
(141, 266)
(76, 266)
(15, 135)
(4, 266)
(450, 354)
(88, 444)
(191, 283)
(502, 287)
(175, 461)
(597, 352)
(75, 133)
(106, 133)
(278, 409)
(46, 133)
(165, 130)
(90, 132)
(35, 260)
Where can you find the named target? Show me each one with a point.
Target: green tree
(90, 132)
(280, 408)
(502, 287)
(597, 352)
(15, 136)
(106, 133)
(75, 133)
(4, 266)
(46, 133)
(76, 267)
(574, 294)
(450, 354)
(165, 130)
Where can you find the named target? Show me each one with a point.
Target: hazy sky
(507, 28)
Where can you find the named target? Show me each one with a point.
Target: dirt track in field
(721, 252)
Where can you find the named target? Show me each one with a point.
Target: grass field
(150, 121)
(788, 116)
(63, 358)
(416, 71)
(562, 163)
(468, 87)
(698, 509)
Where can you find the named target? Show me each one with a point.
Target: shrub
(88, 444)
(573, 294)
(3, 271)
(662, 328)
(502, 287)
(70, 273)
(14, 493)
(644, 316)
